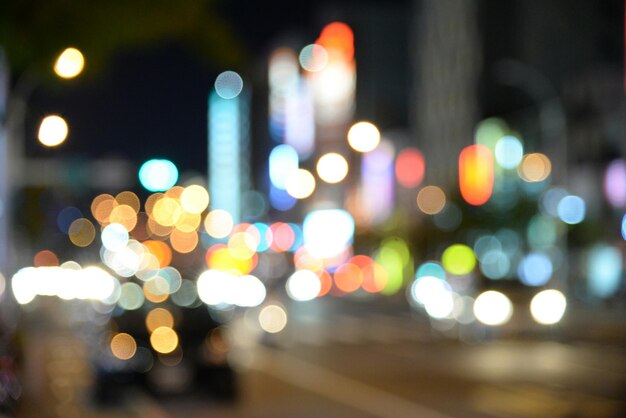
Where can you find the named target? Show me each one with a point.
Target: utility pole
(4, 171)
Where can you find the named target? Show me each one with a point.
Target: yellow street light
(70, 63)
(363, 136)
(52, 131)
(332, 167)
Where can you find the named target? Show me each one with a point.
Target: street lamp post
(13, 112)
(4, 172)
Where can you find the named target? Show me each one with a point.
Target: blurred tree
(34, 32)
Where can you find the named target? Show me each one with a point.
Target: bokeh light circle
(159, 317)
(535, 269)
(300, 184)
(313, 58)
(535, 167)
(131, 296)
(363, 137)
(571, 209)
(228, 85)
(114, 237)
(158, 175)
(81, 232)
(272, 319)
(65, 217)
(458, 259)
(218, 223)
(332, 167)
(164, 340)
(410, 167)
(52, 131)
(194, 199)
(431, 200)
(123, 346)
(509, 152)
(303, 285)
(615, 183)
(548, 306)
(70, 63)
(493, 308)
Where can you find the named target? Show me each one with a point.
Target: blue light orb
(535, 269)
(264, 234)
(510, 241)
(509, 152)
(542, 232)
(449, 218)
(158, 175)
(495, 264)
(486, 244)
(228, 85)
(280, 199)
(283, 161)
(66, 216)
(254, 205)
(298, 237)
(624, 227)
(549, 201)
(431, 268)
(571, 209)
(604, 271)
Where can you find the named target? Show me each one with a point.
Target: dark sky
(151, 102)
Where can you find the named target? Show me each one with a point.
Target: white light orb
(363, 137)
(300, 184)
(114, 237)
(548, 306)
(332, 167)
(303, 285)
(493, 308)
(273, 319)
(52, 131)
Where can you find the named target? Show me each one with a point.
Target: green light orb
(458, 259)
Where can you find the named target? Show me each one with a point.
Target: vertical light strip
(300, 120)
(378, 183)
(227, 151)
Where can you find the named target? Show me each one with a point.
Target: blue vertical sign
(228, 150)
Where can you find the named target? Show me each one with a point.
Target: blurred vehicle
(186, 355)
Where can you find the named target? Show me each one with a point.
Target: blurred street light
(363, 136)
(300, 184)
(52, 131)
(70, 63)
(332, 167)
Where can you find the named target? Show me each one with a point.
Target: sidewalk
(57, 375)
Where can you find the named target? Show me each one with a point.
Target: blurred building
(446, 64)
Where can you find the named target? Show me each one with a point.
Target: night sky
(151, 102)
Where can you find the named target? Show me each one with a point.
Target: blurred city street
(358, 363)
(399, 208)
